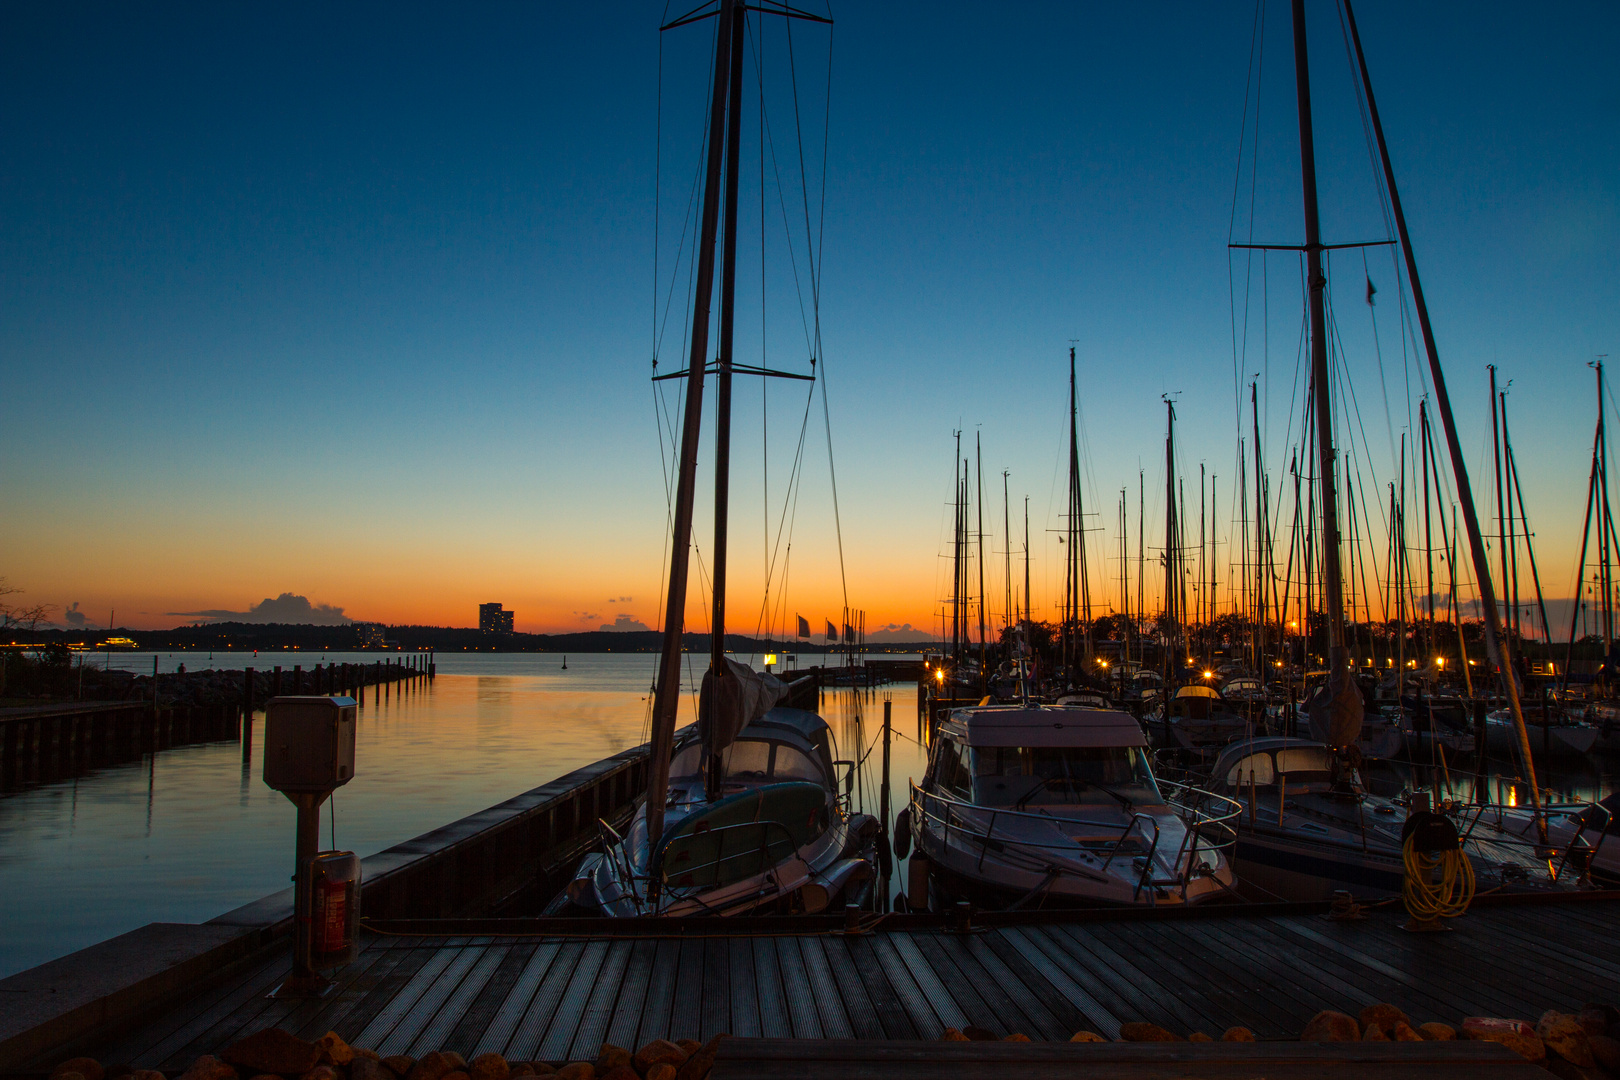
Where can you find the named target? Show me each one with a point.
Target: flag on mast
(804, 627)
(832, 632)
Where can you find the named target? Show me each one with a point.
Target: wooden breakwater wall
(44, 743)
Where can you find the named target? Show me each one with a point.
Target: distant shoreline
(363, 637)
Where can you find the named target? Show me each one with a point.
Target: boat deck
(556, 996)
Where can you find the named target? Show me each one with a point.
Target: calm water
(189, 833)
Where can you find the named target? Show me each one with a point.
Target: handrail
(763, 851)
(1194, 817)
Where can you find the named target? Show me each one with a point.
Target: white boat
(779, 834)
(1043, 804)
(1197, 718)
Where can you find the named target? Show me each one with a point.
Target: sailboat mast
(667, 696)
(1499, 651)
(978, 471)
(1333, 586)
(1261, 537)
(1170, 552)
(1006, 530)
(722, 382)
(1428, 535)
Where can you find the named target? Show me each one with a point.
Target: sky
(350, 311)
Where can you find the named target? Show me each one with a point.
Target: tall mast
(984, 655)
(667, 696)
(1333, 585)
(1171, 556)
(722, 435)
(956, 550)
(1428, 535)
(1071, 562)
(1261, 537)
(1499, 651)
(1006, 530)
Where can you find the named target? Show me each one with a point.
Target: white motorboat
(1042, 804)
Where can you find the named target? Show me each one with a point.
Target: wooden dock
(555, 990)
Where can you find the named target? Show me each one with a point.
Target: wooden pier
(555, 990)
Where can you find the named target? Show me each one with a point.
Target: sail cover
(733, 698)
(1335, 711)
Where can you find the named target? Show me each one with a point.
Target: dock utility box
(309, 743)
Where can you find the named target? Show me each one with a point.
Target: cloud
(625, 623)
(898, 632)
(73, 616)
(620, 599)
(286, 608)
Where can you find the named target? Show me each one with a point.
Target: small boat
(777, 834)
(1197, 718)
(1428, 721)
(1309, 828)
(1052, 805)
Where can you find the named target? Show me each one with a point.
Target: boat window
(1304, 759)
(792, 764)
(1063, 776)
(1258, 764)
(748, 759)
(954, 774)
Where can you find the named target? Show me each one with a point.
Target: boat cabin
(1306, 765)
(1023, 757)
(782, 746)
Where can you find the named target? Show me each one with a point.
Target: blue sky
(356, 303)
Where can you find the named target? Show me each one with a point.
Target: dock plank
(655, 1010)
(437, 982)
(638, 973)
(571, 1008)
(509, 1013)
(716, 1008)
(436, 1035)
(609, 983)
(939, 999)
(852, 988)
(537, 1016)
(775, 1022)
(745, 1021)
(835, 1023)
(468, 1033)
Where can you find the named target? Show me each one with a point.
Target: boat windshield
(1023, 777)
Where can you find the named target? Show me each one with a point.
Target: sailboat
(744, 811)
(1309, 823)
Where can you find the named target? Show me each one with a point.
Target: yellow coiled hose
(1426, 900)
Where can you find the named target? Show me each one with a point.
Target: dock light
(1104, 663)
(939, 676)
(1439, 661)
(1209, 674)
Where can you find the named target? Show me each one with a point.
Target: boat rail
(1208, 829)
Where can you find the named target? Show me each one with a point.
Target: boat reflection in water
(1034, 804)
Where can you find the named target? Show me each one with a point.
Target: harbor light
(1209, 674)
(939, 676)
(1439, 661)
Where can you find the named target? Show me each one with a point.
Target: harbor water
(190, 832)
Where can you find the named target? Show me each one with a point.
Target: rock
(68, 1075)
(1595, 1018)
(1384, 1015)
(619, 1072)
(691, 1046)
(321, 1072)
(1016, 1036)
(516, 1068)
(662, 1071)
(1404, 1033)
(360, 1051)
(577, 1070)
(273, 1051)
(494, 1067)
(609, 1056)
(1374, 1033)
(209, 1067)
(455, 1059)
(657, 1052)
(1563, 1035)
(1237, 1034)
(339, 1051)
(1330, 1026)
(1137, 1031)
(400, 1064)
(702, 1060)
(979, 1034)
(1437, 1032)
(87, 1067)
(365, 1068)
(1086, 1036)
(1199, 1036)
(150, 1074)
(953, 1035)
(1605, 1051)
(541, 1068)
(1516, 1035)
(435, 1066)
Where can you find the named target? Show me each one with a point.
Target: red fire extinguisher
(335, 914)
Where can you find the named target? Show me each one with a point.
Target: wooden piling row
(38, 745)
